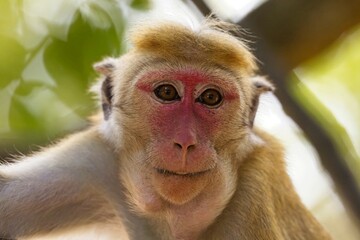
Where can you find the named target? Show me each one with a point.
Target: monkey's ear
(260, 85)
(106, 68)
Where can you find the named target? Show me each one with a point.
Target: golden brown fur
(174, 41)
(265, 205)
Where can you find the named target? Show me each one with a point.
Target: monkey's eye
(210, 97)
(166, 93)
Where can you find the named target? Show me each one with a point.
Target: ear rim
(261, 84)
(105, 67)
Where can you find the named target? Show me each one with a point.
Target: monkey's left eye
(166, 93)
(210, 97)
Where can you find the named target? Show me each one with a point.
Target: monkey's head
(178, 106)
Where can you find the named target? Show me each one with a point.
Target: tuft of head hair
(212, 42)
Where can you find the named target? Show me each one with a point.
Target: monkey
(175, 155)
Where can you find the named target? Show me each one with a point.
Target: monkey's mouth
(180, 174)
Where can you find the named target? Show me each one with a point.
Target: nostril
(190, 147)
(178, 145)
(187, 148)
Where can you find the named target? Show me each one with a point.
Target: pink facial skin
(186, 126)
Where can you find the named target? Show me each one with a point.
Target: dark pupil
(210, 97)
(166, 92)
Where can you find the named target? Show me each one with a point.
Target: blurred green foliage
(330, 91)
(140, 4)
(47, 49)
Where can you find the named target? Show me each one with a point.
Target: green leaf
(70, 62)
(22, 120)
(141, 4)
(12, 60)
(9, 16)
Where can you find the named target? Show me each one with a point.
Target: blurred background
(309, 49)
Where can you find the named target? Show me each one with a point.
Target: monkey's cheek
(179, 190)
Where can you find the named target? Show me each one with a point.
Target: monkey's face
(180, 106)
(190, 114)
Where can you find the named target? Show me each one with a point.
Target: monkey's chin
(180, 187)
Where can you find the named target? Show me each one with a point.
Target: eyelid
(169, 82)
(203, 88)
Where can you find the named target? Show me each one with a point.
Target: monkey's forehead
(172, 40)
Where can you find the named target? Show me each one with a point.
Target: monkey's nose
(185, 141)
(184, 150)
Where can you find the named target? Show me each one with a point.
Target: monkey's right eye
(166, 93)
